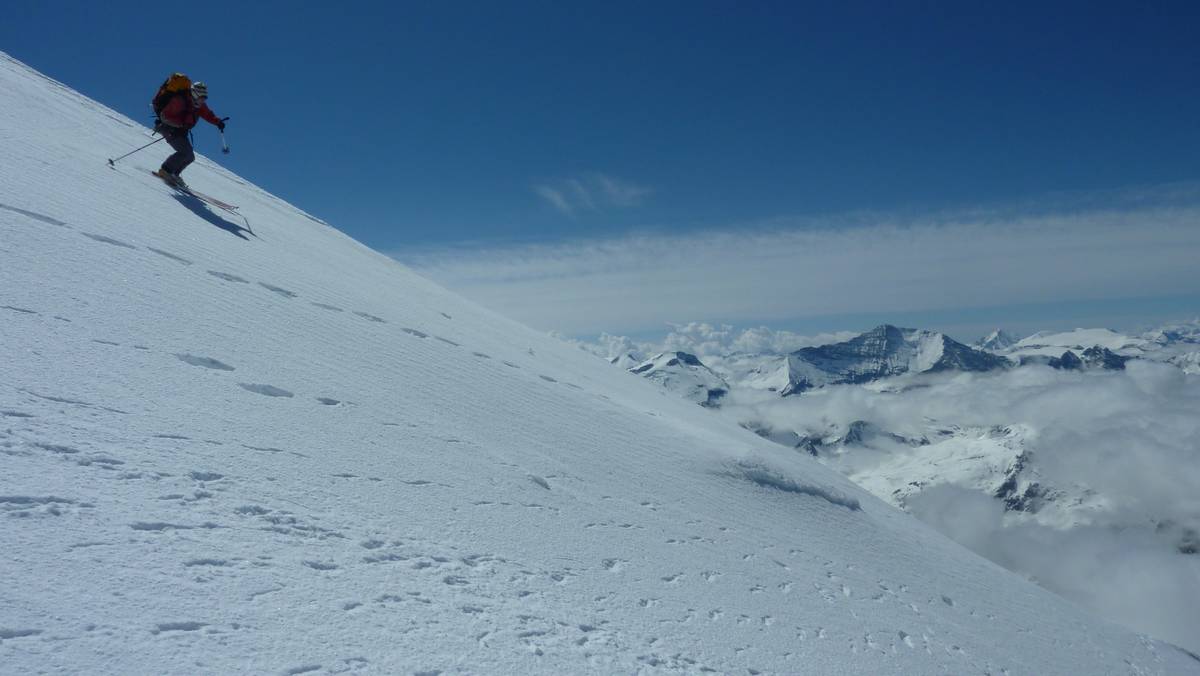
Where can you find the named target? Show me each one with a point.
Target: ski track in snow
(41, 218)
(163, 510)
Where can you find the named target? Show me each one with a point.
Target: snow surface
(277, 451)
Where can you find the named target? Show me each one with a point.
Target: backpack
(173, 86)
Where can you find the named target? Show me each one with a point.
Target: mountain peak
(888, 332)
(883, 352)
(996, 341)
(684, 374)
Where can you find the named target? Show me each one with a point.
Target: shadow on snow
(198, 207)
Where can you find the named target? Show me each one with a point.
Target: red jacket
(183, 112)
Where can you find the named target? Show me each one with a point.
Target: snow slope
(278, 451)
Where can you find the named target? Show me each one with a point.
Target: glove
(221, 123)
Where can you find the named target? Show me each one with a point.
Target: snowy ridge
(1104, 348)
(262, 447)
(1053, 344)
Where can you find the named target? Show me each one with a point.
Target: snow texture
(493, 501)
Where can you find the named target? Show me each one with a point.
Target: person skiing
(179, 107)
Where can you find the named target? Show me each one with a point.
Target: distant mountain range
(998, 460)
(883, 352)
(1177, 344)
(888, 352)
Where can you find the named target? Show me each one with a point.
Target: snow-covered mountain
(255, 445)
(996, 341)
(994, 459)
(1177, 344)
(1158, 344)
(997, 461)
(1095, 357)
(685, 375)
(1053, 344)
(883, 352)
(879, 354)
(1179, 333)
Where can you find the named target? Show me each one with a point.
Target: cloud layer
(880, 266)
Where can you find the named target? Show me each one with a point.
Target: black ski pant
(184, 155)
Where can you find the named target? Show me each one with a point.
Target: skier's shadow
(196, 206)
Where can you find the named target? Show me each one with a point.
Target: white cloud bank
(638, 283)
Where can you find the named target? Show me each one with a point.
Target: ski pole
(224, 145)
(112, 162)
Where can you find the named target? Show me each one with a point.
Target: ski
(207, 199)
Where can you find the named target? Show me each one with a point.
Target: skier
(179, 107)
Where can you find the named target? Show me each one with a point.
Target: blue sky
(493, 127)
